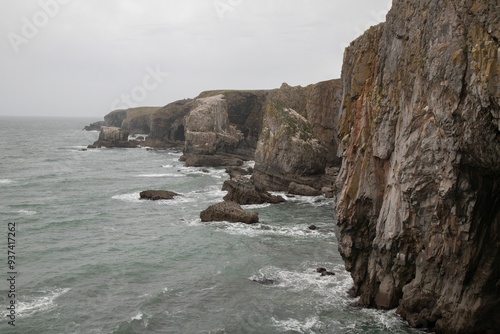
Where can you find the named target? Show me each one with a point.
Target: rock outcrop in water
(156, 195)
(229, 211)
(419, 204)
(243, 191)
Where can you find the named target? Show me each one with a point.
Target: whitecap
(129, 198)
(27, 212)
(161, 175)
(6, 181)
(296, 325)
(176, 200)
(138, 316)
(260, 229)
(168, 166)
(32, 305)
(310, 200)
(330, 289)
(255, 206)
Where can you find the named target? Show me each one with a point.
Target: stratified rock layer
(299, 136)
(419, 204)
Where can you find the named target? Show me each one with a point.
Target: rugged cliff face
(418, 208)
(298, 138)
(222, 127)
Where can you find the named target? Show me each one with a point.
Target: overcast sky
(87, 57)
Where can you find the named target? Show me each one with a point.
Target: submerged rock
(229, 211)
(324, 272)
(156, 195)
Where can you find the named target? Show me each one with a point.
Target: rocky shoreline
(407, 143)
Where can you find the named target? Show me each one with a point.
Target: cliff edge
(418, 208)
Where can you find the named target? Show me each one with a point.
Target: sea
(86, 255)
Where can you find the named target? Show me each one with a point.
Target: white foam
(329, 291)
(310, 200)
(255, 206)
(27, 212)
(296, 325)
(45, 302)
(129, 198)
(6, 181)
(260, 229)
(168, 166)
(161, 175)
(138, 316)
(176, 200)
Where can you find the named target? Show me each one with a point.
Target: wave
(315, 201)
(27, 212)
(41, 301)
(260, 229)
(297, 326)
(6, 181)
(129, 198)
(161, 175)
(255, 206)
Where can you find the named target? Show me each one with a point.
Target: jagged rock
(116, 118)
(229, 211)
(201, 160)
(238, 171)
(287, 149)
(302, 190)
(224, 124)
(328, 192)
(96, 126)
(242, 191)
(418, 209)
(324, 272)
(156, 195)
(113, 134)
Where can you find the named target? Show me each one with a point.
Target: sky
(84, 58)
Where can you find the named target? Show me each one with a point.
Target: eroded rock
(229, 211)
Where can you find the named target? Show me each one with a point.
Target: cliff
(222, 127)
(418, 208)
(298, 138)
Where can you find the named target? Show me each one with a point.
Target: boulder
(229, 211)
(302, 189)
(156, 195)
(243, 191)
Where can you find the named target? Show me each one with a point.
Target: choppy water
(92, 258)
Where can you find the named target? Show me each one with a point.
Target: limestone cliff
(298, 138)
(418, 208)
(222, 127)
